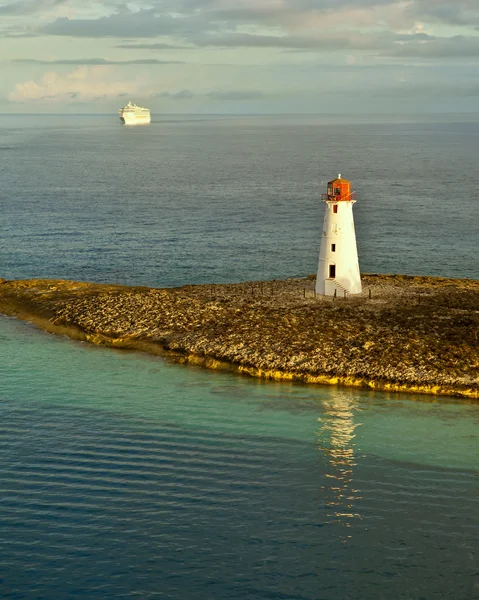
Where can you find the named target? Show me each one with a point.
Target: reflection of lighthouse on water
(336, 440)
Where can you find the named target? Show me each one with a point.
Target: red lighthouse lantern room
(339, 190)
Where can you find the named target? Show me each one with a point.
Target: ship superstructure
(132, 114)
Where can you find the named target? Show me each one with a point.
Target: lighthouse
(338, 268)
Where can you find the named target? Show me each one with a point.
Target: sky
(240, 56)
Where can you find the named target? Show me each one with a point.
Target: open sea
(124, 476)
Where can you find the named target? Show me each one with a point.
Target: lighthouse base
(345, 284)
(331, 287)
(338, 287)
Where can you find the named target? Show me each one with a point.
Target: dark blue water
(230, 199)
(123, 476)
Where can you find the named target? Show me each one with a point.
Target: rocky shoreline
(404, 333)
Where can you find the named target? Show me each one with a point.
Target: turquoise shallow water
(431, 431)
(124, 476)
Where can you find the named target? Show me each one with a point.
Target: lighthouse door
(332, 271)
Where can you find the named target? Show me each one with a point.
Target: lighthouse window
(337, 191)
(332, 271)
(335, 208)
(333, 247)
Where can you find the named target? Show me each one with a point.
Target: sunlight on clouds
(83, 84)
(287, 51)
(392, 15)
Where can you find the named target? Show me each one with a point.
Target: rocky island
(403, 333)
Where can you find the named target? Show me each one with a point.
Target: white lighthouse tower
(338, 269)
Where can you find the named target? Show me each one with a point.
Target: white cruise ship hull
(132, 114)
(135, 119)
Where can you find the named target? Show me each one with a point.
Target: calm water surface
(201, 200)
(123, 476)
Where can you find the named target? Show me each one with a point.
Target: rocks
(413, 333)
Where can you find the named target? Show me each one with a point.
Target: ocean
(125, 476)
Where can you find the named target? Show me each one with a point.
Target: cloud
(189, 17)
(91, 83)
(432, 47)
(344, 40)
(428, 90)
(83, 84)
(248, 40)
(330, 41)
(180, 95)
(236, 95)
(26, 7)
(376, 28)
(98, 61)
(143, 23)
(448, 12)
(370, 26)
(18, 34)
(157, 46)
(221, 95)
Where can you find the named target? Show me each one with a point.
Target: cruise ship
(131, 114)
